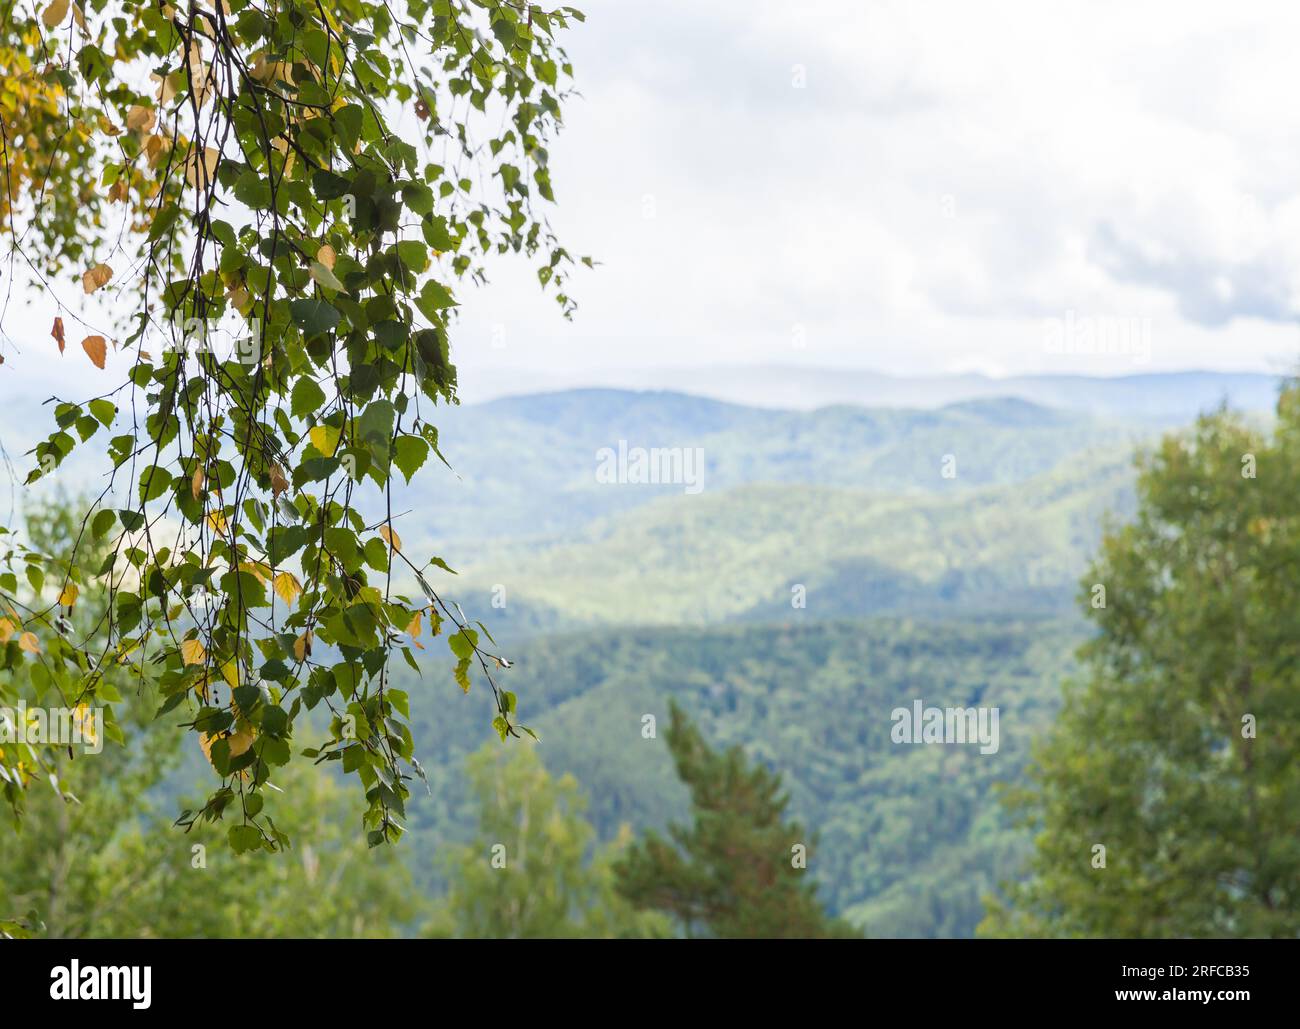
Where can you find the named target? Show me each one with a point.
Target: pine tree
(740, 869)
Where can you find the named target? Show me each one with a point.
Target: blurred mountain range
(1165, 397)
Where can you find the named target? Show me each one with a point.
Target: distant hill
(737, 554)
(1164, 398)
(526, 467)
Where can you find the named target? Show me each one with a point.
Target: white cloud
(951, 175)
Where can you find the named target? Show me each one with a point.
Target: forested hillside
(826, 574)
(909, 837)
(525, 467)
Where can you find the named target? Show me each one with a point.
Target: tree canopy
(533, 870)
(263, 209)
(1164, 798)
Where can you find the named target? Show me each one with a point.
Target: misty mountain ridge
(1164, 398)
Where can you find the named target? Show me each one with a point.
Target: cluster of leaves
(301, 185)
(1176, 754)
(36, 654)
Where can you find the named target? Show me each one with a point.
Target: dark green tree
(1176, 754)
(740, 869)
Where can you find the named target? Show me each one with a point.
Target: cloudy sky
(921, 187)
(916, 187)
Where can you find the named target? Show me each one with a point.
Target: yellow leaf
(196, 483)
(325, 438)
(217, 521)
(69, 595)
(140, 118)
(326, 256)
(205, 745)
(287, 587)
(241, 740)
(262, 572)
(55, 13)
(124, 650)
(201, 166)
(153, 148)
(86, 720)
(6, 630)
(390, 537)
(95, 349)
(278, 482)
(193, 652)
(416, 625)
(96, 277)
(302, 646)
(168, 86)
(28, 642)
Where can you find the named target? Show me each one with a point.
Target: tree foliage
(1177, 753)
(740, 869)
(532, 870)
(271, 202)
(109, 864)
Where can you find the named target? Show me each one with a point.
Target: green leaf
(329, 186)
(462, 643)
(102, 523)
(504, 30)
(103, 410)
(313, 316)
(307, 398)
(418, 197)
(154, 482)
(244, 838)
(163, 221)
(434, 299)
(325, 277)
(375, 426)
(253, 190)
(411, 454)
(415, 256)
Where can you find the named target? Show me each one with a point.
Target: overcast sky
(911, 187)
(949, 177)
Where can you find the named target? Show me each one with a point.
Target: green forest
(1114, 710)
